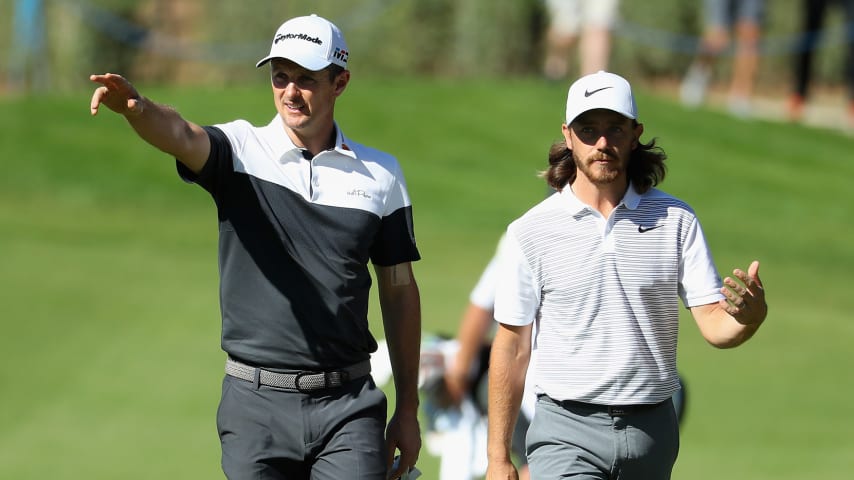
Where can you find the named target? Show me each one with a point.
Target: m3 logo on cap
(341, 54)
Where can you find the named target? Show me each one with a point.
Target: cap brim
(313, 64)
(585, 110)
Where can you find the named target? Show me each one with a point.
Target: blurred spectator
(466, 375)
(27, 68)
(722, 18)
(813, 15)
(587, 21)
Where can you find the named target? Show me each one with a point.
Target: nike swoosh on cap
(588, 93)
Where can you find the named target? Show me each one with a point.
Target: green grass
(108, 288)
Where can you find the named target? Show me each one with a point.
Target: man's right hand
(501, 471)
(161, 126)
(117, 94)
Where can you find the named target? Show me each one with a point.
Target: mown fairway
(108, 279)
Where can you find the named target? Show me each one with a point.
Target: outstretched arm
(159, 125)
(732, 321)
(401, 310)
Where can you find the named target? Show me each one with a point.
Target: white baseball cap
(600, 90)
(311, 41)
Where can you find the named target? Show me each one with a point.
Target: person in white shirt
(597, 271)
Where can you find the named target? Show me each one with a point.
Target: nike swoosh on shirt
(642, 229)
(588, 93)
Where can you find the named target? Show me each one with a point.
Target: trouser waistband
(612, 410)
(300, 381)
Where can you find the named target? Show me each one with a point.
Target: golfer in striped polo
(600, 268)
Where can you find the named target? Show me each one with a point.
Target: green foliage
(216, 41)
(109, 290)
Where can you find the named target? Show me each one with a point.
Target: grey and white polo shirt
(604, 293)
(295, 238)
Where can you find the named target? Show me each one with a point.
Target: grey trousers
(270, 434)
(587, 443)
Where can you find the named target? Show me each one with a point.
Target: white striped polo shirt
(605, 293)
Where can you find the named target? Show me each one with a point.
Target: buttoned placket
(313, 176)
(303, 169)
(312, 180)
(605, 227)
(297, 163)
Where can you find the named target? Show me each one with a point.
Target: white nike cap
(311, 41)
(600, 90)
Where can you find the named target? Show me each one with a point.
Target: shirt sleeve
(395, 241)
(517, 294)
(699, 281)
(218, 164)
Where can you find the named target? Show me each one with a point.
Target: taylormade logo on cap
(600, 90)
(311, 41)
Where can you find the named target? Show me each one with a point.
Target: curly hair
(646, 166)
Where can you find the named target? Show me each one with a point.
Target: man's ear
(341, 81)
(638, 133)
(567, 135)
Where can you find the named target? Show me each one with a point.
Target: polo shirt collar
(282, 144)
(575, 205)
(630, 200)
(342, 144)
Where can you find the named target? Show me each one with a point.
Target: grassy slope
(108, 278)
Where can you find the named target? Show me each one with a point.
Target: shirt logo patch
(642, 229)
(358, 192)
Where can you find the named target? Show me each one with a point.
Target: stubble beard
(598, 173)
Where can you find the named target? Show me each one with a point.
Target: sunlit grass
(108, 287)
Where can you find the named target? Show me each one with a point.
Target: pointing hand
(117, 94)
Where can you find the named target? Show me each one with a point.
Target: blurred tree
(27, 66)
(213, 41)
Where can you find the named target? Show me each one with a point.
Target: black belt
(300, 381)
(612, 410)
